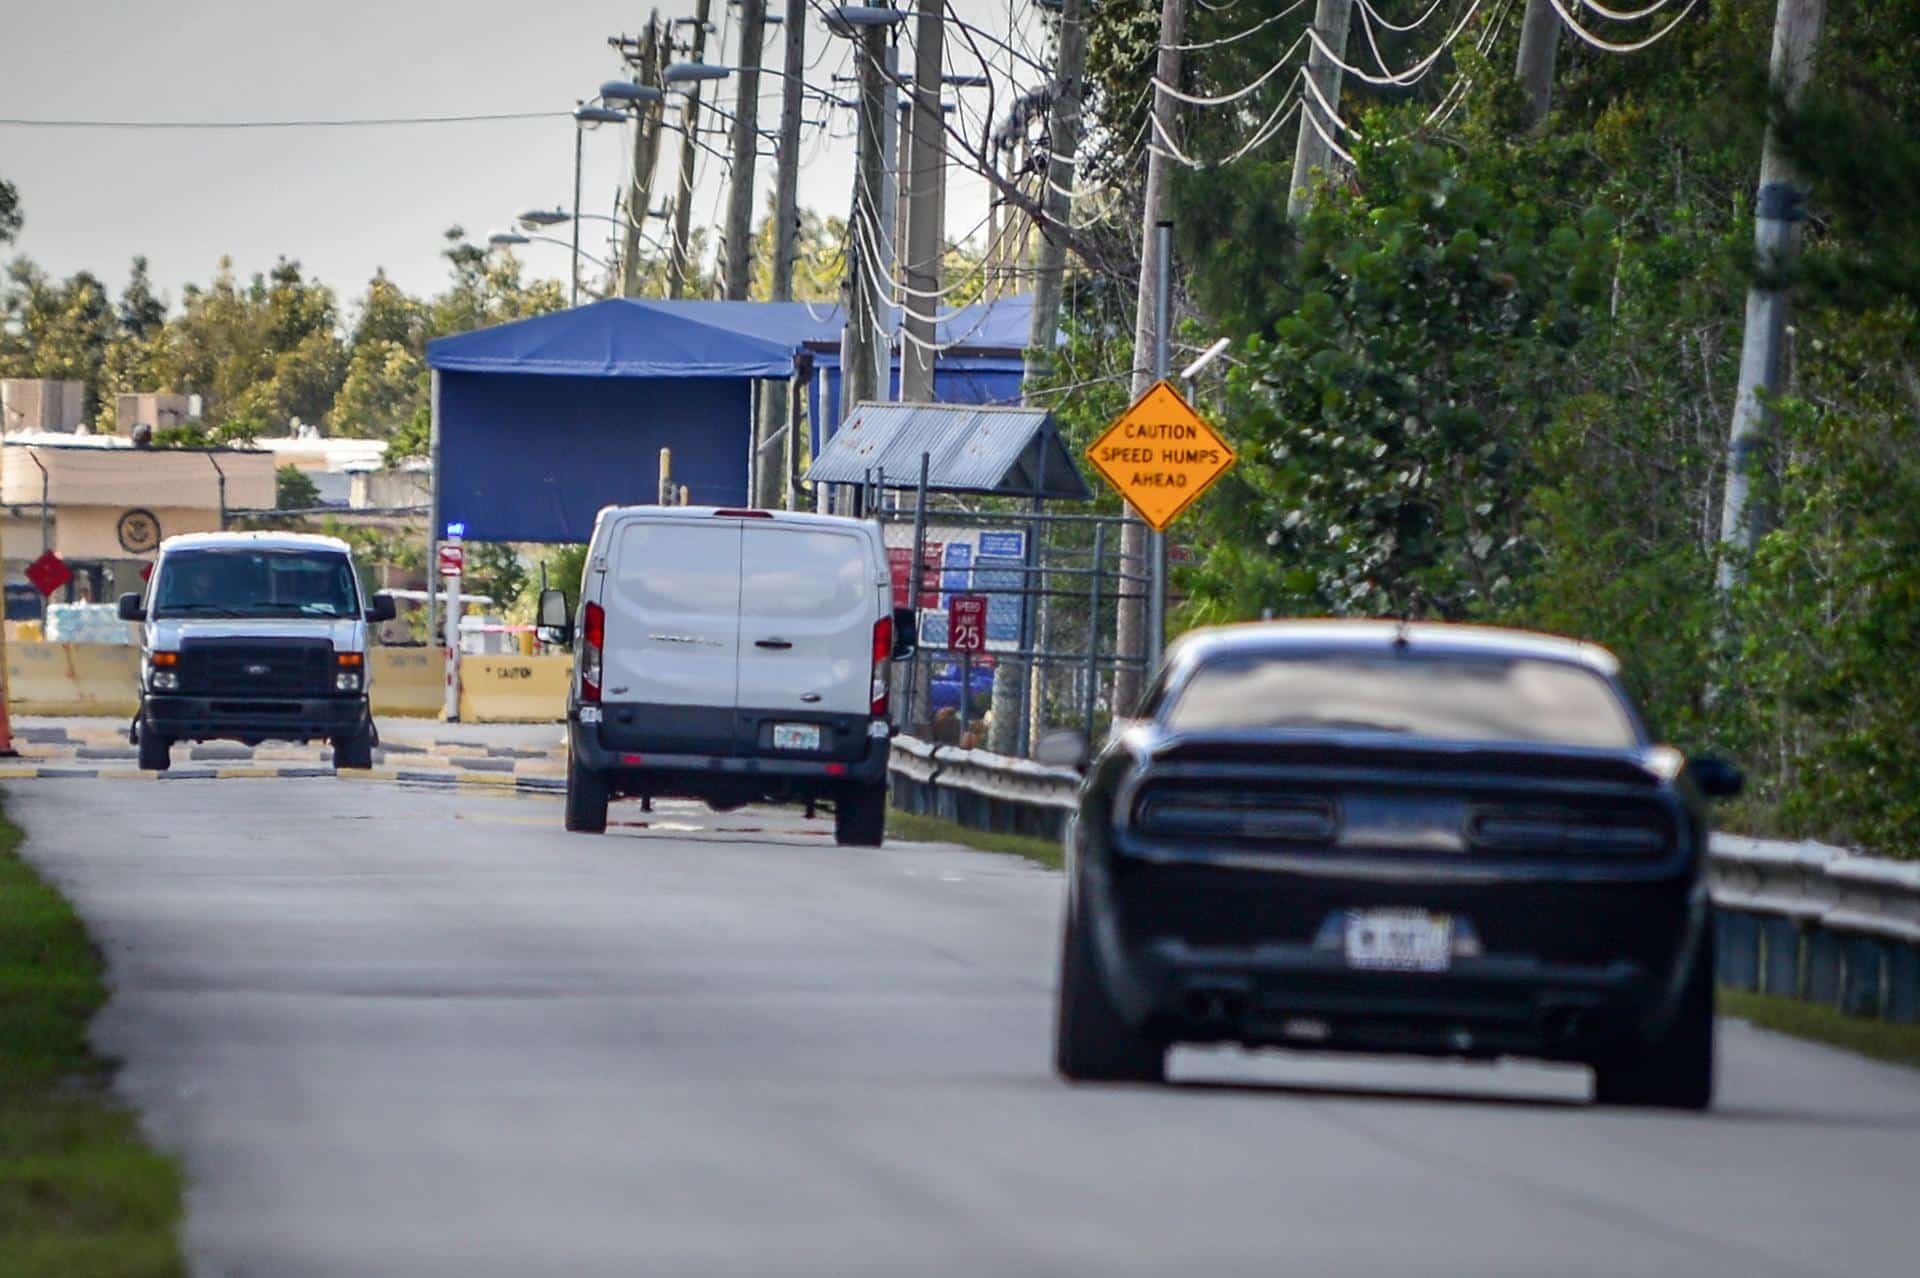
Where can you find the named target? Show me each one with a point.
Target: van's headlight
(163, 674)
(347, 681)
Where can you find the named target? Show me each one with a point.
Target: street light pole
(746, 123)
(579, 143)
(920, 302)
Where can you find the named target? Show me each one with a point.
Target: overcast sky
(345, 201)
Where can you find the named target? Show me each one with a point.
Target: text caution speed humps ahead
(1160, 455)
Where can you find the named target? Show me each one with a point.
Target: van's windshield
(255, 583)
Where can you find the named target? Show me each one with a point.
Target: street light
(848, 18)
(695, 72)
(509, 239)
(533, 219)
(630, 93)
(583, 115)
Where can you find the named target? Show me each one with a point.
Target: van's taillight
(882, 659)
(593, 637)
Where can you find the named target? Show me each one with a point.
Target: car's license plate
(796, 736)
(1399, 940)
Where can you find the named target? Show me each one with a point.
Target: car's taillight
(593, 638)
(882, 659)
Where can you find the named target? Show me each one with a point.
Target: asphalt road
(402, 1032)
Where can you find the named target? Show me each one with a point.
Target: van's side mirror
(380, 608)
(552, 624)
(1717, 778)
(906, 633)
(130, 609)
(1062, 748)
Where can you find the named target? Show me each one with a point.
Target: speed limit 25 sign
(967, 623)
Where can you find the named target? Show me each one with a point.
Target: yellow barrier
(104, 679)
(73, 678)
(409, 682)
(514, 689)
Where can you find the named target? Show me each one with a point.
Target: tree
(10, 219)
(293, 489)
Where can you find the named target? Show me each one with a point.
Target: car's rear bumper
(1591, 964)
(724, 777)
(197, 718)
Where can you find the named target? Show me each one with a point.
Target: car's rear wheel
(355, 751)
(860, 816)
(1676, 1070)
(1092, 1042)
(586, 810)
(156, 752)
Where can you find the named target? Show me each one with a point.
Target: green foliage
(496, 570)
(10, 218)
(293, 490)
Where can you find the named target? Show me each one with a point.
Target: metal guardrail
(1802, 919)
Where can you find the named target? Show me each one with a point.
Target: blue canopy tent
(539, 423)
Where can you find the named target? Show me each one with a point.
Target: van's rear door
(672, 597)
(808, 602)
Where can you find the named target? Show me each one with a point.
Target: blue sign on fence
(1003, 545)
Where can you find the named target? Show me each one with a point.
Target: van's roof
(253, 541)
(796, 517)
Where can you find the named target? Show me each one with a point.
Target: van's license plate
(796, 736)
(1399, 940)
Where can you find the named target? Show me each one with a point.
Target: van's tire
(1092, 1041)
(355, 751)
(860, 816)
(1675, 1071)
(586, 811)
(156, 752)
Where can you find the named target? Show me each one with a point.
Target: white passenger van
(735, 656)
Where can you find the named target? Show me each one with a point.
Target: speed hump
(1160, 455)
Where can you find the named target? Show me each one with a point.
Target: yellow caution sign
(1160, 455)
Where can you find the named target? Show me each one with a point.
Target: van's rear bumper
(638, 771)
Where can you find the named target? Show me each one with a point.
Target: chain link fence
(1052, 585)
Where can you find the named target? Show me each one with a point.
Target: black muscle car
(1385, 837)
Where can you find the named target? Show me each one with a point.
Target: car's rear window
(1445, 696)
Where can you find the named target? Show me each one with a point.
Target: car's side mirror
(130, 609)
(906, 633)
(553, 624)
(380, 608)
(1717, 778)
(1062, 748)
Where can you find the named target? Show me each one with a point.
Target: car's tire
(860, 816)
(355, 751)
(156, 752)
(1092, 1042)
(1674, 1071)
(586, 808)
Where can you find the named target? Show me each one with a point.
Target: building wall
(41, 404)
(162, 410)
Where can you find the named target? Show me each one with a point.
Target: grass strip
(1882, 1040)
(81, 1192)
(925, 829)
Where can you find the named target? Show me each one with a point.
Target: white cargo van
(734, 656)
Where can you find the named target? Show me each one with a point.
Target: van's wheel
(860, 816)
(586, 799)
(1092, 1041)
(355, 751)
(1674, 1071)
(156, 752)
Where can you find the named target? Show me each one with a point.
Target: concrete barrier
(73, 678)
(514, 689)
(409, 683)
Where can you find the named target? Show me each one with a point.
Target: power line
(360, 123)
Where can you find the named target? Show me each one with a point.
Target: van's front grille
(251, 668)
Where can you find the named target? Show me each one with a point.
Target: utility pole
(921, 302)
(1779, 208)
(1056, 201)
(858, 379)
(888, 248)
(677, 264)
(1331, 18)
(1539, 44)
(746, 146)
(1135, 544)
(646, 155)
(775, 412)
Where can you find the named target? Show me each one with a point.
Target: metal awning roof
(1002, 452)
